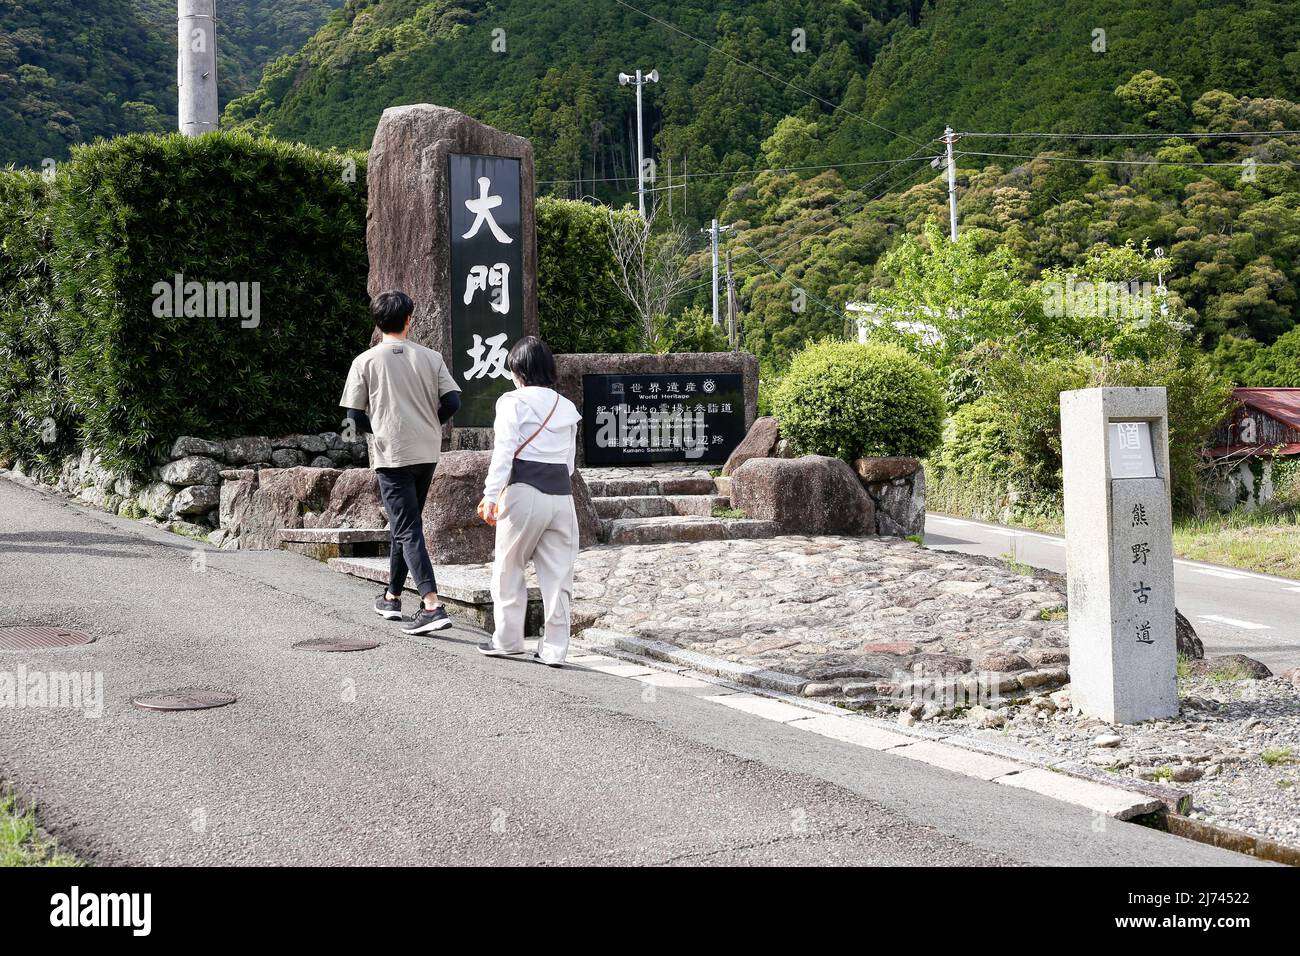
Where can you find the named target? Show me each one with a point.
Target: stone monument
(1119, 552)
(452, 224)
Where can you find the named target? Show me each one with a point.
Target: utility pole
(949, 137)
(733, 317)
(196, 66)
(640, 80)
(714, 231)
(670, 189)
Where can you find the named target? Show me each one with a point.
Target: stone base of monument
(465, 590)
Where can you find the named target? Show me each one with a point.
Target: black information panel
(487, 283)
(640, 419)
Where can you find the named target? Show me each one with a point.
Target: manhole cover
(38, 637)
(185, 698)
(336, 645)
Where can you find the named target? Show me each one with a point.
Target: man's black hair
(390, 310)
(532, 361)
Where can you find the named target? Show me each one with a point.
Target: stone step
(675, 528)
(637, 487)
(466, 590)
(325, 543)
(659, 506)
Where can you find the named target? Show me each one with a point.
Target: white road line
(1216, 573)
(1060, 542)
(1234, 622)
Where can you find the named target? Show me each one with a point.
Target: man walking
(403, 394)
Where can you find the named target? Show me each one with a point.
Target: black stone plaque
(487, 281)
(642, 419)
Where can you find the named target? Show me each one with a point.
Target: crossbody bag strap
(540, 428)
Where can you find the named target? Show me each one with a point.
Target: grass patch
(1263, 540)
(1276, 755)
(1162, 775)
(1184, 668)
(1229, 673)
(1053, 614)
(728, 513)
(20, 841)
(1019, 567)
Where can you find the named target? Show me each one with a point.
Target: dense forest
(74, 70)
(808, 126)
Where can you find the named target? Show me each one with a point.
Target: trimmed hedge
(36, 424)
(84, 258)
(133, 213)
(855, 401)
(580, 308)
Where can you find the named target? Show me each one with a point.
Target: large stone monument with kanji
(1119, 553)
(452, 224)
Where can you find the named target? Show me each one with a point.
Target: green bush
(580, 308)
(853, 401)
(1028, 391)
(133, 213)
(36, 424)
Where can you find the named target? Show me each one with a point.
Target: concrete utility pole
(733, 317)
(640, 80)
(196, 66)
(949, 137)
(714, 231)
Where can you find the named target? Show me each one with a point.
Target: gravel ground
(1235, 747)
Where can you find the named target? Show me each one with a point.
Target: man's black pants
(403, 491)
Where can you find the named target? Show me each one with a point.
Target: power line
(858, 208)
(736, 172)
(1123, 162)
(1241, 135)
(780, 275)
(770, 76)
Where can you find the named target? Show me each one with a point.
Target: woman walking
(528, 497)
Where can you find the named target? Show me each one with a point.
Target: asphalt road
(1233, 611)
(422, 752)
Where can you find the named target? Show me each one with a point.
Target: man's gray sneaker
(388, 610)
(426, 621)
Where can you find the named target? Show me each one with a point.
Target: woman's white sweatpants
(544, 529)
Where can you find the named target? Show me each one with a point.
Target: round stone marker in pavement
(32, 637)
(185, 698)
(336, 645)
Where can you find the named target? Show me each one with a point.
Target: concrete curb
(992, 760)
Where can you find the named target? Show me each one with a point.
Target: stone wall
(184, 492)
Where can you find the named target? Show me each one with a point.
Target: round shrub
(859, 401)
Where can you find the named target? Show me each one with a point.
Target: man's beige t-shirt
(398, 385)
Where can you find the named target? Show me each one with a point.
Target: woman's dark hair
(390, 310)
(532, 361)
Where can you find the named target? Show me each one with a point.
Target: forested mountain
(896, 72)
(826, 95)
(804, 85)
(72, 70)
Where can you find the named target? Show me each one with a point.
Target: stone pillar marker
(451, 223)
(1119, 550)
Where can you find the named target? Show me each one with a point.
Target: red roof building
(1266, 421)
